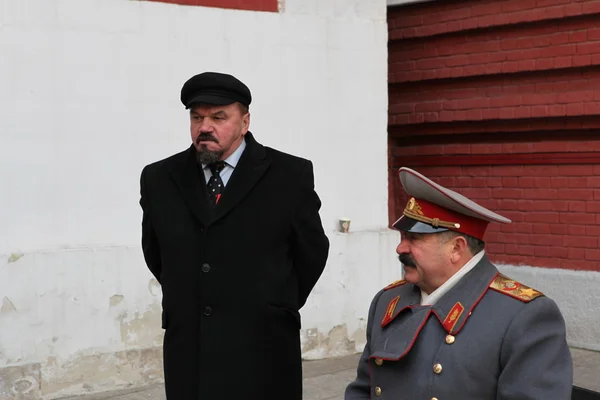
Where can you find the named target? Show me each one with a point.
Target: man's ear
(245, 122)
(460, 249)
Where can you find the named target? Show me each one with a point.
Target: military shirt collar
(433, 297)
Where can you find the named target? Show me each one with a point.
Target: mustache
(407, 260)
(206, 137)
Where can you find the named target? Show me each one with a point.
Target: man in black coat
(232, 232)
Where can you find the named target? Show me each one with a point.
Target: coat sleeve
(149, 241)
(535, 358)
(360, 388)
(310, 245)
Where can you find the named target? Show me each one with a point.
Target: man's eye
(219, 118)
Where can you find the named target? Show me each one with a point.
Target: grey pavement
(327, 379)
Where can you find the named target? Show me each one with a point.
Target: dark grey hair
(475, 245)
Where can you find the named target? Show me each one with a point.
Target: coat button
(434, 398)
(207, 310)
(437, 369)
(377, 391)
(379, 361)
(450, 339)
(205, 267)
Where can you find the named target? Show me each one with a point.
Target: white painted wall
(90, 94)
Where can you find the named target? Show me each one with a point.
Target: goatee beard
(205, 156)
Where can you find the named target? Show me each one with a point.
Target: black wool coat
(234, 275)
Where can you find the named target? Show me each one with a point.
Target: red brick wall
(500, 100)
(255, 5)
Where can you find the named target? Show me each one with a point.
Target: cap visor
(210, 99)
(406, 224)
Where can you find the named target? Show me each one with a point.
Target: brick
(540, 194)
(526, 182)
(485, 171)
(593, 182)
(559, 252)
(557, 110)
(539, 111)
(582, 36)
(545, 217)
(525, 249)
(428, 106)
(576, 218)
(495, 248)
(591, 7)
(576, 253)
(573, 9)
(541, 228)
(574, 182)
(577, 206)
(576, 230)
(511, 248)
(575, 170)
(524, 227)
(592, 254)
(546, 63)
(588, 48)
(545, 262)
(577, 265)
(593, 207)
(510, 182)
(432, 117)
(591, 230)
(508, 170)
(580, 242)
(554, 13)
(574, 109)
(480, 9)
(506, 113)
(558, 229)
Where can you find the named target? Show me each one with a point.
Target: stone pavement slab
(327, 379)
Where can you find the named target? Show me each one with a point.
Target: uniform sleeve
(149, 242)
(361, 387)
(310, 244)
(535, 358)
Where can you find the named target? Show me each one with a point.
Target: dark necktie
(215, 184)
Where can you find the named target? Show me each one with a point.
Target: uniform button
(205, 267)
(437, 369)
(379, 361)
(450, 339)
(377, 391)
(207, 311)
(434, 398)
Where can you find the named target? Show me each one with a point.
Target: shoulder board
(514, 289)
(395, 284)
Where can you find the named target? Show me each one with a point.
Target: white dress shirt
(431, 298)
(230, 164)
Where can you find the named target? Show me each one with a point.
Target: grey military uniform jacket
(488, 338)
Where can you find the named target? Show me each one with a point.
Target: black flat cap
(214, 88)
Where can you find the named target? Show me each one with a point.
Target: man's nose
(402, 247)
(206, 126)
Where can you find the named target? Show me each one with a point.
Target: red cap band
(436, 216)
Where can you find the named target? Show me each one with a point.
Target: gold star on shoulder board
(529, 292)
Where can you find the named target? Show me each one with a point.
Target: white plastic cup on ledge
(344, 225)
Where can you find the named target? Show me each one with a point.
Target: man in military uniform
(455, 328)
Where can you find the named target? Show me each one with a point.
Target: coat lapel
(189, 181)
(252, 166)
(456, 306)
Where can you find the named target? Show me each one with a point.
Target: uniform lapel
(403, 323)
(456, 306)
(187, 178)
(251, 167)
